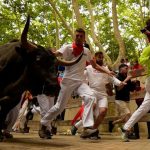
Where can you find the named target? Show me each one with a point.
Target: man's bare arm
(101, 68)
(123, 83)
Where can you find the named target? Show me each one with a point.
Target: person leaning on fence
(73, 80)
(144, 60)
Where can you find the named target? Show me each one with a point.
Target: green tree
(111, 26)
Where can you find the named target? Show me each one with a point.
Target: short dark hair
(122, 65)
(98, 53)
(80, 30)
(122, 60)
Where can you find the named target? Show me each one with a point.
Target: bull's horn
(24, 40)
(68, 63)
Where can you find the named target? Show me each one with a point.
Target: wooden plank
(145, 118)
(74, 103)
(105, 121)
(137, 94)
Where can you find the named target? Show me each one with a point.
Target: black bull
(24, 65)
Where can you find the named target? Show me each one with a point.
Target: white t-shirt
(97, 80)
(76, 71)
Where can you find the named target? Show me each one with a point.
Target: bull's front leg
(5, 106)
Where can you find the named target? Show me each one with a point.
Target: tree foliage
(53, 23)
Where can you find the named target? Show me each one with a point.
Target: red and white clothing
(73, 80)
(97, 82)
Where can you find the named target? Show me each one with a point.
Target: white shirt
(76, 71)
(97, 80)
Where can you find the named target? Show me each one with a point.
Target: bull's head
(29, 46)
(41, 64)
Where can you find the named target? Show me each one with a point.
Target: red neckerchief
(77, 49)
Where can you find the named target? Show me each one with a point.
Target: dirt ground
(113, 141)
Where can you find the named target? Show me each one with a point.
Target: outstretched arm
(101, 68)
(123, 83)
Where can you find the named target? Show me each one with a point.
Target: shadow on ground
(32, 142)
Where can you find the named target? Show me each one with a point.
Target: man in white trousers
(145, 106)
(45, 103)
(74, 80)
(98, 82)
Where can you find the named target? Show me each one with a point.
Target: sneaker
(53, 130)
(74, 130)
(48, 134)
(124, 134)
(95, 136)
(1, 136)
(132, 136)
(26, 129)
(44, 133)
(87, 133)
(7, 134)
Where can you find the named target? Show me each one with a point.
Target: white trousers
(142, 110)
(67, 87)
(45, 103)
(21, 116)
(78, 124)
(12, 117)
(101, 101)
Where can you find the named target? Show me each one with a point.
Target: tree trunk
(79, 19)
(57, 32)
(61, 17)
(93, 35)
(117, 35)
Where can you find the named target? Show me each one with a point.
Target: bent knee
(89, 100)
(57, 108)
(103, 112)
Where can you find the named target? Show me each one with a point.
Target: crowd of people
(91, 79)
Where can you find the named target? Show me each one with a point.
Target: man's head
(122, 61)
(99, 58)
(79, 36)
(136, 62)
(123, 69)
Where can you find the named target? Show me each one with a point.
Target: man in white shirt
(97, 82)
(74, 80)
